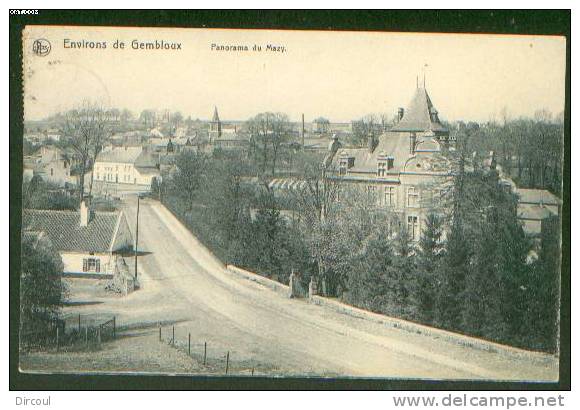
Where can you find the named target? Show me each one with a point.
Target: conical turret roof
(420, 115)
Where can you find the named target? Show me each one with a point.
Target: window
(412, 197)
(389, 198)
(382, 169)
(342, 167)
(91, 265)
(390, 163)
(413, 227)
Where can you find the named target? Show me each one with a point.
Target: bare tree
(86, 129)
(316, 197)
(367, 127)
(268, 131)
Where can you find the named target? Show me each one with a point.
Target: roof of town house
(147, 159)
(537, 196)
(65, 232)
(420, 115)
(390, 144)
(535, 212)
(122, 155)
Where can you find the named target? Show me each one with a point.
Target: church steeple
(215, 126)
(216, 117)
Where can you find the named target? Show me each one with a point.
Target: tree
(268, 132)
(126, 115)
(38, 194)
(190, 171)
(85, 129)
(429, 265)
(42, 291)
(147, 118)
(316, 201)
(368, 127)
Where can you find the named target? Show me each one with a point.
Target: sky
(338, 75)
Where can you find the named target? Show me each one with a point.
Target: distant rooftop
(123, 155)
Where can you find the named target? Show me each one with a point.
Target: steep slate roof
(537, 196)
(64, 230)
(391, 144)
(419, 115)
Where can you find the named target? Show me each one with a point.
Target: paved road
(182, 281)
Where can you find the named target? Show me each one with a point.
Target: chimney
(400, 114)
(412, 142)
(85, 214)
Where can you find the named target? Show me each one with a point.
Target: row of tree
(471, 271)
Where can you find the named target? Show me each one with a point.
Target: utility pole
(137, 234)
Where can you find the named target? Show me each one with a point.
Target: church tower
(215, 126)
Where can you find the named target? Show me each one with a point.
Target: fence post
(159, 332)
(204, 352)
(227, 362)
(173, 335)
(79, 323)
(114, 327)
(189, 344)
(87, 336)
(57, 341)
(252, 371)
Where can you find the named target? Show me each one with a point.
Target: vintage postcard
(271, 203)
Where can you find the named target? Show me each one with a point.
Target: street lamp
(137, 234)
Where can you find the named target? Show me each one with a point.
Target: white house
(126, 166)
(51, 164)
(88, 242)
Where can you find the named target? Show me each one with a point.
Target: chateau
(404, 170)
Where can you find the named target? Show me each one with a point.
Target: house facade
(52, 164)
(88, 242)
(126, 166)
(404, 171)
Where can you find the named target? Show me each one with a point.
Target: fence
(77, 334)
(213, 360)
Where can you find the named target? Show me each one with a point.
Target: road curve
(181, 280)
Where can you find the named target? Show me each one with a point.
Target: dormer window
(382, 168)
(342, 168)
(384, 164)
(345, 163)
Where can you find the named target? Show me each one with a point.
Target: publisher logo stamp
(41, 47)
